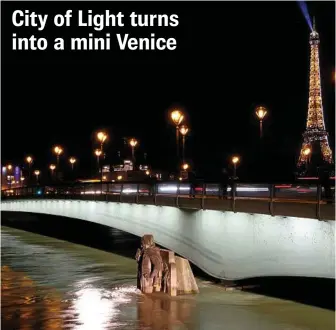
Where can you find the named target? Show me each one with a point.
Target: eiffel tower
(315, 137)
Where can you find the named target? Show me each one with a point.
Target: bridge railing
(182, 194)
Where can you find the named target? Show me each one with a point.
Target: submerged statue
(157, 270)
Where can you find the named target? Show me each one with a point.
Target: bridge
(257, 230)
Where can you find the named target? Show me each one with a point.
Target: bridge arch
(226, 245)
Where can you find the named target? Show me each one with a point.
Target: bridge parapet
(305, 201)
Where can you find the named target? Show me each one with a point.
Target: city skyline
(216, 78)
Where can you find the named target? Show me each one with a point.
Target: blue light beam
(304, 9)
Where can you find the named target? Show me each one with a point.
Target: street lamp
(9, 168)
(119, 177)
(307, 153)
(133, 143)
(101, 136)
(98, 153)
(72, 161)
(261, 113)
(177, 118)
(185, 166)
(37, 173)
(22, 179)
(184, 131)
(29, 160)
(58, 151)
(235, 160)
(52, 169)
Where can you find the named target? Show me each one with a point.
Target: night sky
(231, 56)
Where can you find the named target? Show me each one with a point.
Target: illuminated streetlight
(177, 118)
(235, 160)
(72, 161)
(101, 136)
(37, 173)
(133, 143)
(9, 177)
(58, 151)
(22, 179)
(119, 177)
(29, 161)
(261, 113)
(52, 169)
(184, 131)
(147, 172)
(185, 166)
(98, 153)
(307, 151)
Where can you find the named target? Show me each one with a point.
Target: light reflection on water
(52, 284)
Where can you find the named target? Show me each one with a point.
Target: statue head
(147, 241)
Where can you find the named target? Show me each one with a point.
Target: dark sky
(231, 56)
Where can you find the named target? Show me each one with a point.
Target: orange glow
(184, 130)
(185, 166)
(235, 159)
(72, 160)
(58, 150)
(133, 142)
(119, 177)
(29, 159)
(9, 167)
(101, 136)
(306, 151)
(261, 112)
(37, 172)
(177, 117)
(52, 167)
(98, 152)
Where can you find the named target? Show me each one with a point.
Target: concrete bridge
(225, 243)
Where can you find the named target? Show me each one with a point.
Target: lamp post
(185, 166)
(52, 169)
(261, 113)
(72, 161)
(98, 153)
(133, 143)
(22, 179)
(37, 173)
(177, 118)
(184, 131)
(58, 151)
(9, 168)
(307, 153)
(235, 160)
(29, 160)
(101, 136)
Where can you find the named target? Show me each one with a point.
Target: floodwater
(49, 283)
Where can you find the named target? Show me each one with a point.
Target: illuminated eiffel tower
(315, 136)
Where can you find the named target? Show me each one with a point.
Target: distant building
(11, 178)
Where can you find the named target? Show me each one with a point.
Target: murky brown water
(52, 284)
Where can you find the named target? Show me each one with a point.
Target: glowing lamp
(306, 151)
(261, 112)
(101, 136)
(52, 167)
(58, 150)
(184, 130)
(133, 142)
(177, 117)
(235, 160)
(98, 152)
(72, 160)
(185, 166)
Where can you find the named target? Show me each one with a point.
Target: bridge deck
(310, 205)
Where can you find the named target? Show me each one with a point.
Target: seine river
(48, 283)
